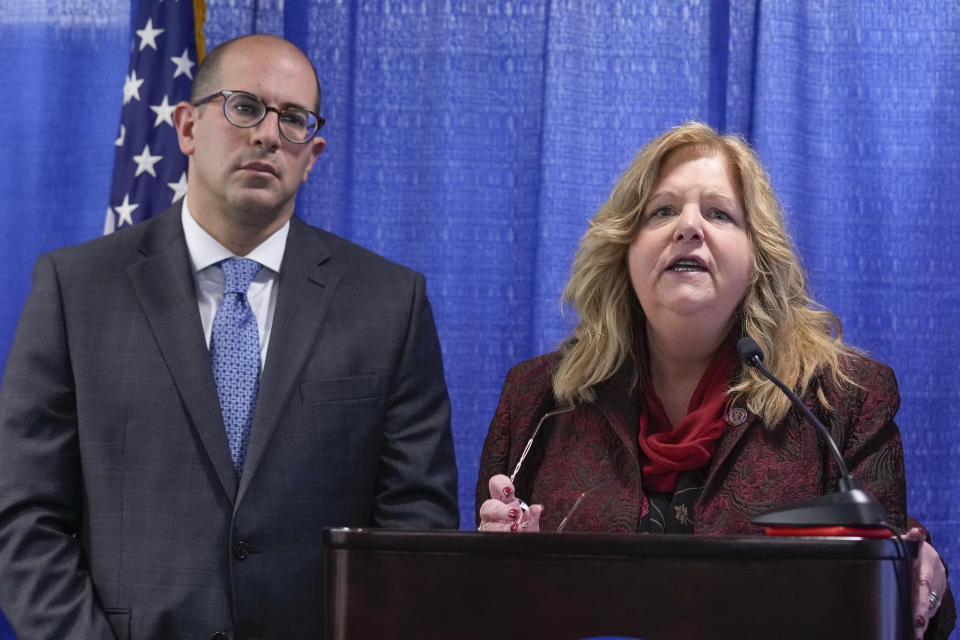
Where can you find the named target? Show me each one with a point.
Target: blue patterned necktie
(235, 354)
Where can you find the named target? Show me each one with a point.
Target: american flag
(149, 172)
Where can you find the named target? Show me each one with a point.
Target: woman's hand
(929, 583)
(505, 512)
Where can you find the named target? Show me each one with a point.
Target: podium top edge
(611, 544)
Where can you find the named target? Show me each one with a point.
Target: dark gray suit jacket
(119, 511)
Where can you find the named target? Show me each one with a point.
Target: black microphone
(851, 506)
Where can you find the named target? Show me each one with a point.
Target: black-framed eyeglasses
(245, 110)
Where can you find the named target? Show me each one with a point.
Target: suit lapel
(306, 285)
(164, 285)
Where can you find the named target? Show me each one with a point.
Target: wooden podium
(463, 585)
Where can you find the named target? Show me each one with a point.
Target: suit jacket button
(219, 635)
(241, 550)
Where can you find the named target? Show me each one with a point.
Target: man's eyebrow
(287, 105)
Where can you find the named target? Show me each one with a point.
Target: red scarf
(691, 443)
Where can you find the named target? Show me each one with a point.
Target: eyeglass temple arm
(529, 445)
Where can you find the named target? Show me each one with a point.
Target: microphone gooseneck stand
(850, 511)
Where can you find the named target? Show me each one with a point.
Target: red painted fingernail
(920, 622)
(513, 513)
(513, 527)
(507, 491)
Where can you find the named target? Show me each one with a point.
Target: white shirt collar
(205, 251)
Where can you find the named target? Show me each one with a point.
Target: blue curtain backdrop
(473, 139)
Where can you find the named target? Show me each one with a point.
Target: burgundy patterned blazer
(592, 448)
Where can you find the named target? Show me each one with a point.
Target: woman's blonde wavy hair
(799, 337)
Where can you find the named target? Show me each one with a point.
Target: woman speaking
(646, 421)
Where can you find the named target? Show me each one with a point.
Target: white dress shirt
(206, 252)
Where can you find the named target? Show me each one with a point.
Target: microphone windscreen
(748, 349)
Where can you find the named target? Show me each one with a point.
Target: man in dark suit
(126, 510)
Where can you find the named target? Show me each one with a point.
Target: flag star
(131, 87)
(148, 35)
(164, 112)
(179, 188)
(184, 65)
(145, 162)
(125, 211)
(123, 136)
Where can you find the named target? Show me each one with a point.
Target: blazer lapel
(306, 285)
(732, 435)
(164, 286)
(617, 400)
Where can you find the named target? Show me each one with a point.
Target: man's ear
(184, 120)
(319, 144)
